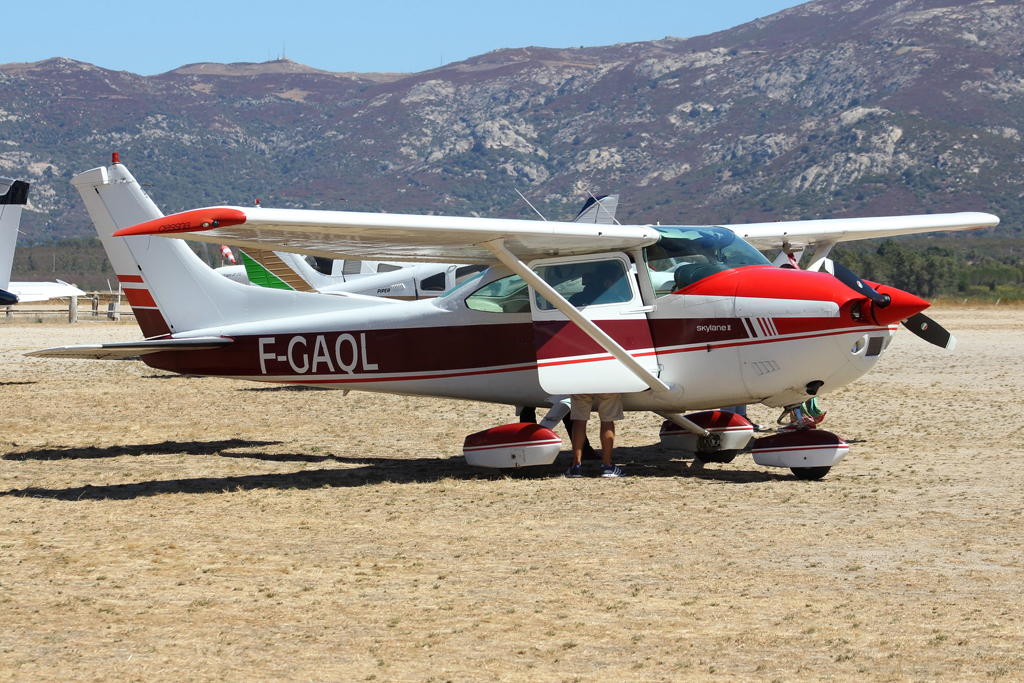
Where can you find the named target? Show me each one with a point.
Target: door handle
(644, 309)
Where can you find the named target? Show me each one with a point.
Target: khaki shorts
(609, 407)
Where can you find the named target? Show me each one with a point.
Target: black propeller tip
(930, 331)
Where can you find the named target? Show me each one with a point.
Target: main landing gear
(799, 445)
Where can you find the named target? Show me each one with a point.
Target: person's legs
(580, 413)
(579, 435)
(588, 451)
(607, 442)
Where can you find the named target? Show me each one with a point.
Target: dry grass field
(156, 527)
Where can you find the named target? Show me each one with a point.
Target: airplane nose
(902, 306)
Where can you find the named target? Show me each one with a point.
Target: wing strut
(668, 391)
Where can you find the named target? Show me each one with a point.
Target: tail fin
(170, 289)
(600, 210)
(13, 197)
(267, 269)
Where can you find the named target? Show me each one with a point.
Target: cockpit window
(586, 283)
(507, 295)
(684, 256)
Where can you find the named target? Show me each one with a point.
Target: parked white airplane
(562, 308)
(13, 197)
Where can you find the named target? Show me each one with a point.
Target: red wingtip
(198, 220)
(115, 158)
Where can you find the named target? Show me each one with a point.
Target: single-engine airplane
(676, 319)
(13, 198)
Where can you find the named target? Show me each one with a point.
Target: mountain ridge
(830, 108)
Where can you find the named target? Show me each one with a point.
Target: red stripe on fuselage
(413, 354)
(561, 338)
(130, 278)
(417, 350)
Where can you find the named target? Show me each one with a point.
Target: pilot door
(605, 291)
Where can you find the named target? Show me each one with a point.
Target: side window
(591, 283)
(322, 265)
(387, 268)
(462, 274)
(507, 295)
(434, 283)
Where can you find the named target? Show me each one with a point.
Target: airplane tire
(809, 473)
(716, 456)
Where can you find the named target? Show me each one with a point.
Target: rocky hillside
(832, 108)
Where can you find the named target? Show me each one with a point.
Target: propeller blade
(929, 330)
(851, 280)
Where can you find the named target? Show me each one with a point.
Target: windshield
(507, 295)
(685, 255)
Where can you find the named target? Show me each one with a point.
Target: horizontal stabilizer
(122, 350)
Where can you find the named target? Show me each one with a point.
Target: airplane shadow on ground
(639, 462)
(167, 447)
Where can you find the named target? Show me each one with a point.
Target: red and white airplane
(676, 319)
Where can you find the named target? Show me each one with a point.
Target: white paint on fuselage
(710, 379)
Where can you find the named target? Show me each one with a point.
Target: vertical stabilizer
(170, 289)
(13, 196)
(599, 210)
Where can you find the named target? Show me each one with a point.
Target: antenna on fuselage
(530, 205)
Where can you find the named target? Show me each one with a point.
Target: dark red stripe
(139, 297)
(151, 323)
(561, 338)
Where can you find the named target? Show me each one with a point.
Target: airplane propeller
(851, 280)
(920, 324)
(930, 331)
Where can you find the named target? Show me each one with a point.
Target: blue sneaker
(611, 471)
(575, 472)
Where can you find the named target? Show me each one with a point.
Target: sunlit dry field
(156, 527)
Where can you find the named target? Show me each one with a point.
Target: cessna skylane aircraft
(13, 197)
(676, 319)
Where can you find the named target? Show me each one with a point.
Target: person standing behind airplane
(609, 410)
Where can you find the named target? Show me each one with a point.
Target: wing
(123, 350)
(43, 291)
(390, 237)
(804, 233)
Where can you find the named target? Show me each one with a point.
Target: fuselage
(746, 335)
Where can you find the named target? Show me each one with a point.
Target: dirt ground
(156, 527)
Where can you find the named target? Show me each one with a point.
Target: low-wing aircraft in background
(13, 197)
(676, 319)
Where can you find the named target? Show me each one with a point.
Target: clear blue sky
(370, 35)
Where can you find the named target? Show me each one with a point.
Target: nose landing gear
(807, 451)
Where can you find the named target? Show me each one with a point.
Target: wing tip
(197, 220)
